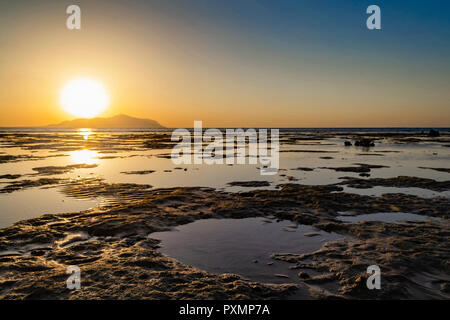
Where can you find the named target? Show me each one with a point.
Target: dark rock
(364, 174)
(437, 169)
(398, 182)
(433, 133)
(249, 184)
(445, 287)
(303, 275)
(304, 169)
(361, 168)
(365, 143)
(10, 176)
(140, 172)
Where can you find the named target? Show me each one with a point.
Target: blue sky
(238, 63)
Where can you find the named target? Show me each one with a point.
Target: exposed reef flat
(54, 170)
(249, 184)
(138, 172)
(10, 176)
(63, 142)
(400, 182)
(19, 185)
(437, 169)
(118, 258)
(359, 167)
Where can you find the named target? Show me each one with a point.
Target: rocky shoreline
(118, 258)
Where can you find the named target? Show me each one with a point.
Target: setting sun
(84, 98)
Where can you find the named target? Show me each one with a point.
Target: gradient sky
(247, 63)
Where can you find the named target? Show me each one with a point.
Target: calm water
(242, 246)
(389, 217)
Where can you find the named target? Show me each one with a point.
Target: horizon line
(243, 127)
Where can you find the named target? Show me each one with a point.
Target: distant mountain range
(117, 122)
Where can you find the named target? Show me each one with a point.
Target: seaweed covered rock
(364, 143)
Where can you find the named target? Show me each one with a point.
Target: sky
(252, 63)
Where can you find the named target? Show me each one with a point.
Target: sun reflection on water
(85, 132)
(84, 156)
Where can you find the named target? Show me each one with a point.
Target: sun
(84, 97)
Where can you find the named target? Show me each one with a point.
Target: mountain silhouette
(117, 122)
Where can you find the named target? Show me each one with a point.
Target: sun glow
(84, 98)
(84, 156)
(85, 132)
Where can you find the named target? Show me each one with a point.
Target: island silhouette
(120, 121)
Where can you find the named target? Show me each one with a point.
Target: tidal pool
(35, 202)
(389, 217)
(242, 246)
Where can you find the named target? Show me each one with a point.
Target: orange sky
(175, 71)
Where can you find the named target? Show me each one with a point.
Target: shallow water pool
(242, 246)
(386, 217)
(35, 202)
